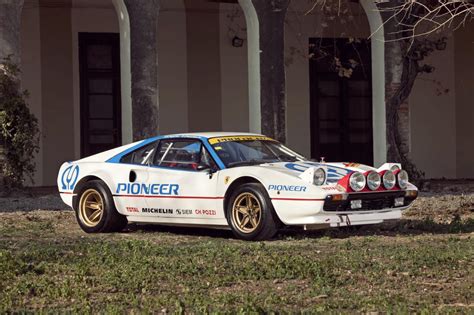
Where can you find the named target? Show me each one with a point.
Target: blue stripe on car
(118, 157)
(213, 153)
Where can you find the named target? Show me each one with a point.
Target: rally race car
(249, 183)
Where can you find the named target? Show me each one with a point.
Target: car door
(183, 183)
(129, 179)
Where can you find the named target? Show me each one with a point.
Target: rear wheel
(95, 209)
(250, 213)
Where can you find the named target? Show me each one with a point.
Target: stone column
(143, 17)
(271, 21)
(377, 45)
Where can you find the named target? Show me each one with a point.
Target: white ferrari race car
(246, 182)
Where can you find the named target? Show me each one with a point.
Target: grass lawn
(48, 264)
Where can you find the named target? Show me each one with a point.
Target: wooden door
(341, 107)
(99, 59)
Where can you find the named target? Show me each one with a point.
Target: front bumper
(338, 220)
(336, 209)
(369, 201)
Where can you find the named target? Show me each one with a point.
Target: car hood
(335, 171)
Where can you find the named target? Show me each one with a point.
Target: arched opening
(336, 105)
(70, 66)
(125, 70)
(172, 67)
(253, 63)
(216, 56)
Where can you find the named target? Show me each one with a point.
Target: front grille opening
(370, 201)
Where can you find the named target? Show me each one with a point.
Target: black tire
(109, 220)
(268, 222)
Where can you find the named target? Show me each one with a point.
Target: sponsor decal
(334, 173)
(147, 189)
(157, 210)
(184, 211)
(205, 212)
(287, 188)
(351, 164)
(329, 188)
(132, 209)
(238, 138)
(69, 177)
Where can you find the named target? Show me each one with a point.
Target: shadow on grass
(180, 230)
(395, 228)
(407, 227)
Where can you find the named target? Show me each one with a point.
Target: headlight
(389, 180)
(357, 181)
(374, 180)
(402, 177)
(394, 168)
(319, 177)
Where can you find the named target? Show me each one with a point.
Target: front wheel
(95, 209)
(250, 213)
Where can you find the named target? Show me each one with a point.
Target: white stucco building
(75, 61)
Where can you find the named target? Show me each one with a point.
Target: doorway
(99, 63)
(341, 107)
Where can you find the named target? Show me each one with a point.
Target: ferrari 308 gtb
(249, 183)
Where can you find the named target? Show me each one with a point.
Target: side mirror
(202, 167)
(208, 168)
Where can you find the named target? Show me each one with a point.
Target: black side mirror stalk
(208, 168)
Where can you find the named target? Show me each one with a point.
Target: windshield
(252, 150)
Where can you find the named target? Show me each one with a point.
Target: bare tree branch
(419, 18)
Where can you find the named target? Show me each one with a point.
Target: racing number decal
(69, 177)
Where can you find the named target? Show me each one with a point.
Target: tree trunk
(401, 74)
(144, 63)
(401, 71)
(271, 17)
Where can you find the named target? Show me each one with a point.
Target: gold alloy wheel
(246, 212)
(91, 207)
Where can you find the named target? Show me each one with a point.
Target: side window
(140, 156)
(183, 154)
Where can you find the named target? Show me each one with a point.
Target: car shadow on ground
(179, 230)
(404, 227)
